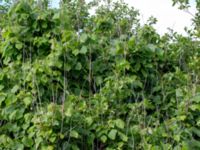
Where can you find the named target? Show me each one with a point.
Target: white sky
(167, 15)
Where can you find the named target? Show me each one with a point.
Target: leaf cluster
(74, 80)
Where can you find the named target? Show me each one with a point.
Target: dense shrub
(70, 79)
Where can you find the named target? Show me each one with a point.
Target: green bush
(74, 80)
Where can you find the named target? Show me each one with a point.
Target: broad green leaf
(123, 136)
(19, 46)
(195, 107)
(27, 101)
(49, 147)
(119, 123)
(78, 66)
(16, 114)
(27, 141)
(89, 120)
(196, 98)
(52, 139)
(75, 147)
(83, 50)
(68, 111)
(1, 87)
(177, 137)
(75, 52)
(15, 89)
(38, 141)
(112, 134)
(10, 99)
(182, 117)
(67, 67)
(18, 146)
(83, 38)
(196, 131)
(74, 134)
(103, 139)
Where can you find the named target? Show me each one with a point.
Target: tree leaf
(112, 134)
(83, 37)
(27, 101)
(78, 66)
(123, 136)
(27, 141)
(104, 138)
(119, 123)
(1, 87)
(74, 134)
(19, 46)
(83, 50)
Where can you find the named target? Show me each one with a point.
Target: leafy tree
(74, 80)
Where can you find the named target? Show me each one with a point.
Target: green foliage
(72, 80)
